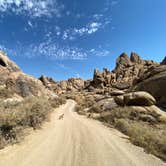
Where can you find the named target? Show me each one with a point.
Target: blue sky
(69, 38)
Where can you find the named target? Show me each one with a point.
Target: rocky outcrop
(136, 99)
(143, 105)
(70, 85)
(14, 80)
(126, 73)
(7, 64)
(164, 61)
(153, 81)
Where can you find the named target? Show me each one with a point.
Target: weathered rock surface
(70, 85)
(153, 81)
(136, 99)
(125, 74)
(13, 79)
(164, 61)
(7, 64)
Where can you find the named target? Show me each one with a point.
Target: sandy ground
(75, 141)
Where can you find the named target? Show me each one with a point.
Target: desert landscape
(84, 130)
(82, 83)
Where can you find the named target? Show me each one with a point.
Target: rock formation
(125, 74)
(130, 74)
(153, 81)
(14, 80)
(139, 98)
(70, 85)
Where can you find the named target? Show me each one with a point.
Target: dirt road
(75, 140)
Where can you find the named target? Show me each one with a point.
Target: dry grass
(5, 93)
(147, 132)
(15, 117)
(56, 102)
(153, 139)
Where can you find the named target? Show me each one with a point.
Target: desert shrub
(85, 101)
(56, 102)
(110, 116)
(143, 128)
(147, 136)
(95, 109)
(80, 110)
(122, 125)
(5, 92)
(14, 118)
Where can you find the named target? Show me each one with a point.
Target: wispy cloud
(32, 8)
(30, 24)
(99, 52)
(48, 49)
(88, 29)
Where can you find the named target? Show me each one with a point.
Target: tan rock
(139, 98)
(119, 100)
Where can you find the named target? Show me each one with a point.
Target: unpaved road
(75, 141)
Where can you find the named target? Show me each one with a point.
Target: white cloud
(98, 16)
(32, 8)
(30, 24)
(99, 52)
(88, 29)
(65, 35)
(48, 49)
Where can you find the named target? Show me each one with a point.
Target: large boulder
(7, 64)
(117, 92)
(153, 81)
(16, 82)
(119, 100)
(140, 98)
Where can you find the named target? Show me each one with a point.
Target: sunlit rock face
(126, 73)
(59, 87)
(153, 81)
(17, 82)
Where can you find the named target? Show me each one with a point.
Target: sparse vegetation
(5, 92)
(83, 101)
(56, 102)
(152, 138)
(144, 129)
(31, 112)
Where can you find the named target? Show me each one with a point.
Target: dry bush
(56, 102)
(84, 101)
(147, 136)
(143, 128)
(18, 116)
(95, 109)
(5, 93)
(80, 110)
(129, 113)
